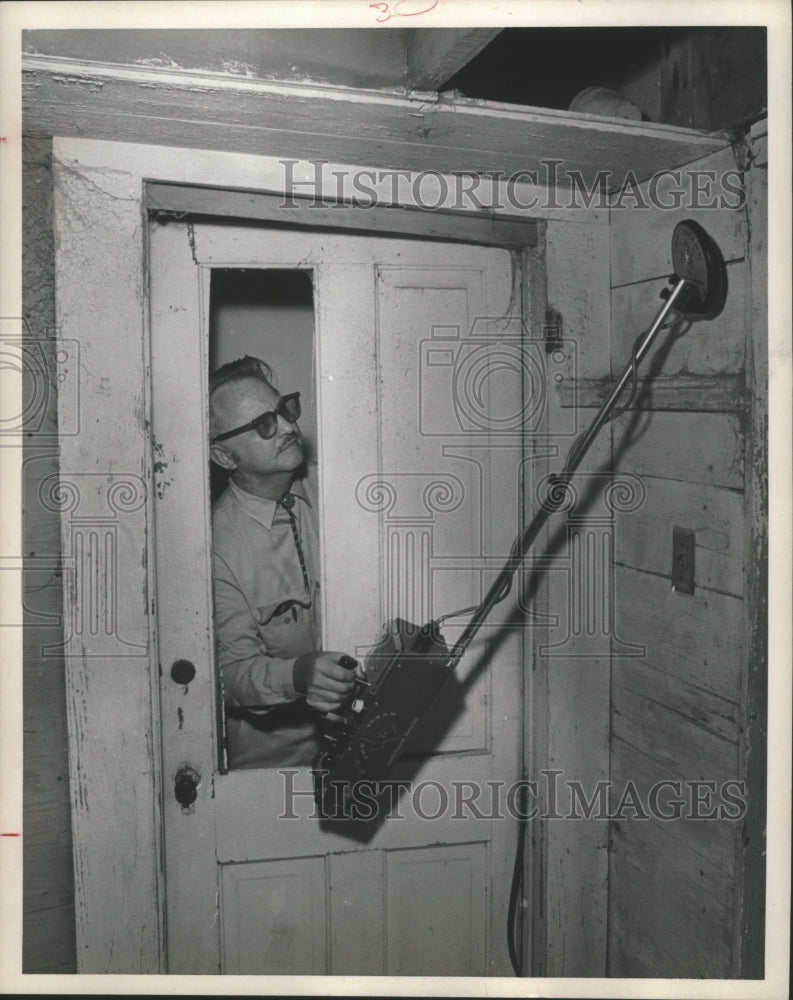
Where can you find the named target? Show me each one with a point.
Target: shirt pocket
(286, 628)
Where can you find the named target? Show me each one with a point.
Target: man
(276, 681)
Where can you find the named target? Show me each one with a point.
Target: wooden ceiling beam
(418, 132)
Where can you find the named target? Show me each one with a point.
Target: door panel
(434, 910)
(356, 928)
(273, 917)
(419, 502)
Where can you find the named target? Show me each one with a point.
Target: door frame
(112, 689)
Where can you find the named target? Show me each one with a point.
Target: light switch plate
(683, 544)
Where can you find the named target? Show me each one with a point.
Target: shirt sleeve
(251, 677)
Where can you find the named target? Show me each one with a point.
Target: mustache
(290, 438)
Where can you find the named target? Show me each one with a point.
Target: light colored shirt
(264, 619)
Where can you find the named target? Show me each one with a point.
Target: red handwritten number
(386, 13)
(398, 9)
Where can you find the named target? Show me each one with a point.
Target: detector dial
(697, 261)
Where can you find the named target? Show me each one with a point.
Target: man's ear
(221, 456)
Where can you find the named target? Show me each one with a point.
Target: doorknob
(182, 671)
(186, 785)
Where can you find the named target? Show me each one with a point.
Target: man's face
(237, 403)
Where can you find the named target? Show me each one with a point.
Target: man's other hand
(321, 678)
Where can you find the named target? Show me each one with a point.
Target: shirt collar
(262, 509)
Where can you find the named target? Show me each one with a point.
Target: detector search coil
(697, 260)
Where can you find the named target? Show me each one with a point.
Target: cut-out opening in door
(265, 556)
(269, 314)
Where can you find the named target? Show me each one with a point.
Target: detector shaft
(557, 488)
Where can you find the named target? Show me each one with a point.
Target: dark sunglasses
(266, 424)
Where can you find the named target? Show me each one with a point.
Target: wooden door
(420, 416)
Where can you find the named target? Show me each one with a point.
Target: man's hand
(322, 679)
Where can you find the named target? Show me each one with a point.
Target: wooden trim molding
(308, 211)
(751, 835)
(693, 393)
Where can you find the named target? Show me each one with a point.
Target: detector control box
(405, 672)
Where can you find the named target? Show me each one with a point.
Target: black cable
(516, 889)
(572, 455)
(555, 500)
(618, 411)
(515, 555)
(635, 374)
